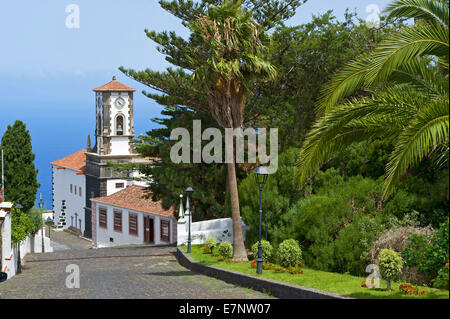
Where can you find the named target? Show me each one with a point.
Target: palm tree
(236, 48)
(404, 82)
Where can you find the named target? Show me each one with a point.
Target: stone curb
(277, 289)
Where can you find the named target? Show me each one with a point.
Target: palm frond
(383, 115)
(421, 74)
(344, 83)
(428, 10)
(404, 46)
(427, 130)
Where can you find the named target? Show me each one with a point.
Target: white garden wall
(221, 229)
(32, 244)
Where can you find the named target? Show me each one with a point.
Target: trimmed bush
(289, 253)
(390, 264)
(210, 243)
(225, 250)
(267, 250)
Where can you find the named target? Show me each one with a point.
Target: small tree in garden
(210, 243)
(267, 250)
(225, 250)
(390, 264)
(289, 253)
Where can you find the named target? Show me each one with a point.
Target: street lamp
(189, 191)
(19, 262)
(261, 175)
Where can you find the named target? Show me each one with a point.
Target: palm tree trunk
(227, 191)
(239, 252)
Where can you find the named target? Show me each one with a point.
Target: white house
(69, 191)
(126, 217)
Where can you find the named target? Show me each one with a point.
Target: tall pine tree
(20, 173)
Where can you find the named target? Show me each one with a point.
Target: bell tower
(114, 130)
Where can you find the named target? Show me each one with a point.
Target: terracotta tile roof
(132, 198)
(114, 85)
(75, 161)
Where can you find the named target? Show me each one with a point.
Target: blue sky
(48, 71)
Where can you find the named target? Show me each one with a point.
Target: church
(103, 204)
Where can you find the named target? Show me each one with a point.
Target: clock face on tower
(120, 102)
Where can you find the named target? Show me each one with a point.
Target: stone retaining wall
(275, 288)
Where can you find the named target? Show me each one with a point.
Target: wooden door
(165, 230)
(152, 232)
(148, 230)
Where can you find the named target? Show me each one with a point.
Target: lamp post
(265, 215)
(19, 262)
(261, 175)
(189, 191)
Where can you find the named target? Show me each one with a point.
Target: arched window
(119, 125)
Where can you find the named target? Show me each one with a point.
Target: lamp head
(18, 206)
(189, 190)
(261, 175)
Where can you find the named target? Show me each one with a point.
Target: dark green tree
(306, 56)
(167, 180)
(20, 173)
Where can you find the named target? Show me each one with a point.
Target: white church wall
(62, 179)
(120, 145)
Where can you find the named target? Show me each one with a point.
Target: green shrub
(210, 243)
(21, 226)
(266, 248)
(390, 264)
(441, 280)
(289, 253)
(225, 250)
(428, 252)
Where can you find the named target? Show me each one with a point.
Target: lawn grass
(343, 284)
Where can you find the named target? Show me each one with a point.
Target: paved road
(62, 240)
(130, 273)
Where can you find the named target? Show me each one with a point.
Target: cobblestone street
(62, 240)
(131, 272)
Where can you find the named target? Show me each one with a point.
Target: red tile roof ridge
(114, 85)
